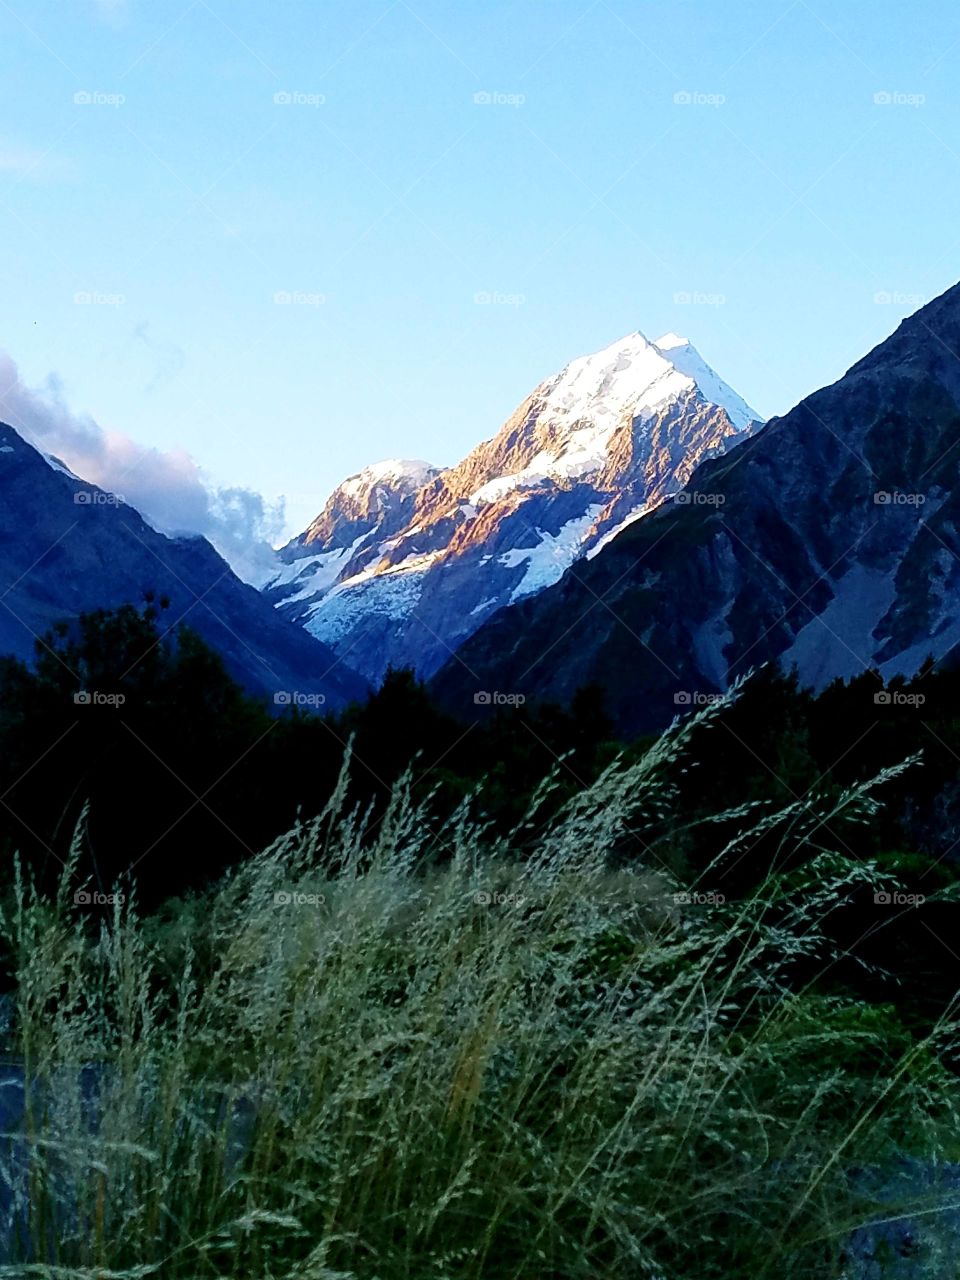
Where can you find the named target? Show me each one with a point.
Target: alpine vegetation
(384, 1048)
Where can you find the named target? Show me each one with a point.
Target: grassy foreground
(402, 1053)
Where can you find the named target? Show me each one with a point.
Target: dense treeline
(182, 774)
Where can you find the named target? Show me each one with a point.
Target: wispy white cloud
(167, 487)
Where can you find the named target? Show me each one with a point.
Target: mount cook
(406, 561)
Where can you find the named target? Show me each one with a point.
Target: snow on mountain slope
(688, 360)
(405, 561)
(550, 555)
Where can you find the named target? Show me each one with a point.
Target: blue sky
(780, 164)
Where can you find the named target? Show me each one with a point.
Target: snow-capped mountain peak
(404, 561)
(402, 474)
(579, 411)
(367, 501)
(631, 371)
(637, 374)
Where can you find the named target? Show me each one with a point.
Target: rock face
(830, 541)
(67, 547)
(405, 561)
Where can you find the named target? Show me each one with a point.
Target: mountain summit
(405, 561)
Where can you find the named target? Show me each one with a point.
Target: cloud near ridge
(167, 487)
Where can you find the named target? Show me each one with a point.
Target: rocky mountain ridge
(69, 547)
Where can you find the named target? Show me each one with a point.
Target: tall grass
(458, 1067)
